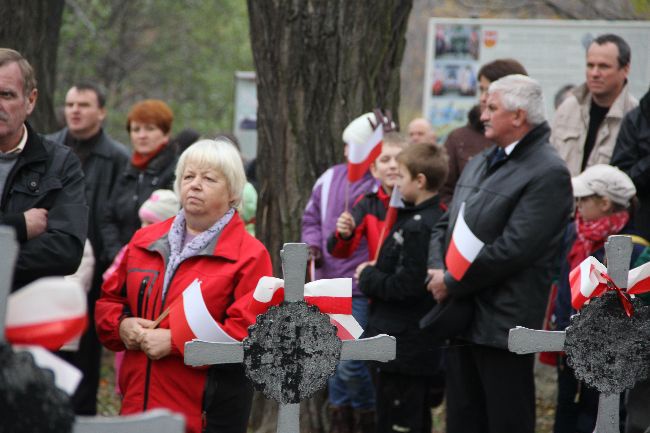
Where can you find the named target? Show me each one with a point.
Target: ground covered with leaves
(109, 403)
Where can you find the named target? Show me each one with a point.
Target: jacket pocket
(31, 191)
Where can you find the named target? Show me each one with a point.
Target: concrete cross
(9, 248)
(294, 263)
(153, 421)
(522, 340)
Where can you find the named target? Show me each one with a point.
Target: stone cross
(523, 340)
(153, 421)
(7, 263)
(327, 348)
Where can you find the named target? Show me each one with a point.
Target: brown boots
(344, 419)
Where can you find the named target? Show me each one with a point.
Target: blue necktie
(498, 156)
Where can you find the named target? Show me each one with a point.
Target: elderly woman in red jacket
(205, 247)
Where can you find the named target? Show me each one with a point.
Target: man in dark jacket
(516, 199)
(41, 182)
(632, 155)
(102, 160)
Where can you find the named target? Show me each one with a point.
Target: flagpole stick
(160, 318)
(347, 189)
(381, 241)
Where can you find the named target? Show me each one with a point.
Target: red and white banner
(638, 280)
(589, 280)
(463, 248)
(48, 312)
(361, 155)
(190, 319)
(396, 202)
(332, 297)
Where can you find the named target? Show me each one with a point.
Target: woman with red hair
(151, 167)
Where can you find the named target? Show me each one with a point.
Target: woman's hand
(345, 225)
(361, 267)
(156, 343)
(130, 330)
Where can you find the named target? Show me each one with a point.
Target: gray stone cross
(523, 340)
(294, 262)
(9, 248)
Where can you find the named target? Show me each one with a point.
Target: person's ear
(31, 101)
(421, 180)
(605, 204)
(373, 169)
(519, 117)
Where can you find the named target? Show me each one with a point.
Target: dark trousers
(489, 390)
(402, 403)
(228, 400)
(577, 404)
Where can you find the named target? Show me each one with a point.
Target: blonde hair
(220, 155)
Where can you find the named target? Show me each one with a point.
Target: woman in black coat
(151, 167)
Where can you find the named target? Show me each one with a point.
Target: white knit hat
(161, 205)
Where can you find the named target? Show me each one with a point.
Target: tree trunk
(319, 65)
(32, 28)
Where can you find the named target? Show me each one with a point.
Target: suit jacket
(519, 209)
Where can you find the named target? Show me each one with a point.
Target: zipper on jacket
(146, 385)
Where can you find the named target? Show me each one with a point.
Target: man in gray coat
(516, 200)
(102, 160)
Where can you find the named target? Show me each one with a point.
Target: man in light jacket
(586, 124)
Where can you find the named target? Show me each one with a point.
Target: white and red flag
(396, 202)
(361, 155)
(332, 297)
(463, 248)
(190, 319)
(589, 280)
(586, 281)
(638, 280)
(48, 312)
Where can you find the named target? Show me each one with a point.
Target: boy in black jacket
(395, 285)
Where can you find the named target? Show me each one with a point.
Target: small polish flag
(190, 319)
(332, 297)
(586, 281)
(48, 312)
(361, 155)
(638, 280)
(396, 202)
(463, 248)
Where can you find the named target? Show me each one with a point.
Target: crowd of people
(147, 229)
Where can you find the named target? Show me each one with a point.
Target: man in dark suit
(516, 199)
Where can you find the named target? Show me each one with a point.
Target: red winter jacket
(229, 272)
(369, 213)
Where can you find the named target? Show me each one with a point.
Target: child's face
(408, 186)
(385, 167)
(593, 207)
